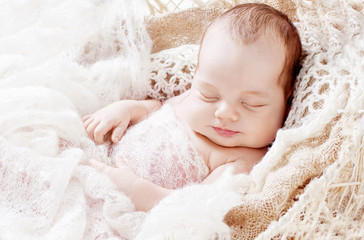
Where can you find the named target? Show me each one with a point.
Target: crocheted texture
(158, 149)
(171, 71)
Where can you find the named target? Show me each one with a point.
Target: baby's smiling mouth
(225, 132)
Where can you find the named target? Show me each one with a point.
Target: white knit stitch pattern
(171, 71)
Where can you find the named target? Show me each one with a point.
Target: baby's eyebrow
(206, 84)
(258, 93)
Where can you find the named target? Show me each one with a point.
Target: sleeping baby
(239, 97)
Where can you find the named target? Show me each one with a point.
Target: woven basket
(165, 6)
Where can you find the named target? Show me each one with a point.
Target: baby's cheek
(197, 116)
(270, 135)
(260, 132)
(194, 117)
(197, 106)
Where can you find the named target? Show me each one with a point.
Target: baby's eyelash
(208, 98)
(253, 105)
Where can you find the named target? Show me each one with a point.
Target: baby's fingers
(87, 121)
(115, 174)
(118, 132)
(100, 167)
(86, 117)
(90, 128)
(101, 130)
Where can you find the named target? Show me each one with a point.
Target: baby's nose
(226, 111)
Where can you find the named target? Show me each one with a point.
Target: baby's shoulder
(176, 100)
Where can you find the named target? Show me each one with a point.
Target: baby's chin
(230, 143)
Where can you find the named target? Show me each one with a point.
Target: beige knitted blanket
(61, 60)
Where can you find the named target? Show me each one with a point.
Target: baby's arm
(142, 193)
(117, 117)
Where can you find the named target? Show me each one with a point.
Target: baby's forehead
(240, 34)
(238, 40)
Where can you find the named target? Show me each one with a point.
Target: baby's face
(235, 99)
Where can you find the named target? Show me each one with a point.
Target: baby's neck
(216, 155)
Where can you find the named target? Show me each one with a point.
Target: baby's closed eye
(253, 104)
(207, 96)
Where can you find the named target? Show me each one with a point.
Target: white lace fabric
(158, 150)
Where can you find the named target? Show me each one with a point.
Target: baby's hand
(114, 117)
(122, 176)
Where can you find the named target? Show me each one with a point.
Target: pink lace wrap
(158, 150)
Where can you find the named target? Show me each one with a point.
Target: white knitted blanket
(60, 60)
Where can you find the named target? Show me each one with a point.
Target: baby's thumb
(105, 169)
(100, 167)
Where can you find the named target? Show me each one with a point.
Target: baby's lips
(225, 132)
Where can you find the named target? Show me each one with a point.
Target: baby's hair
(245, 23)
